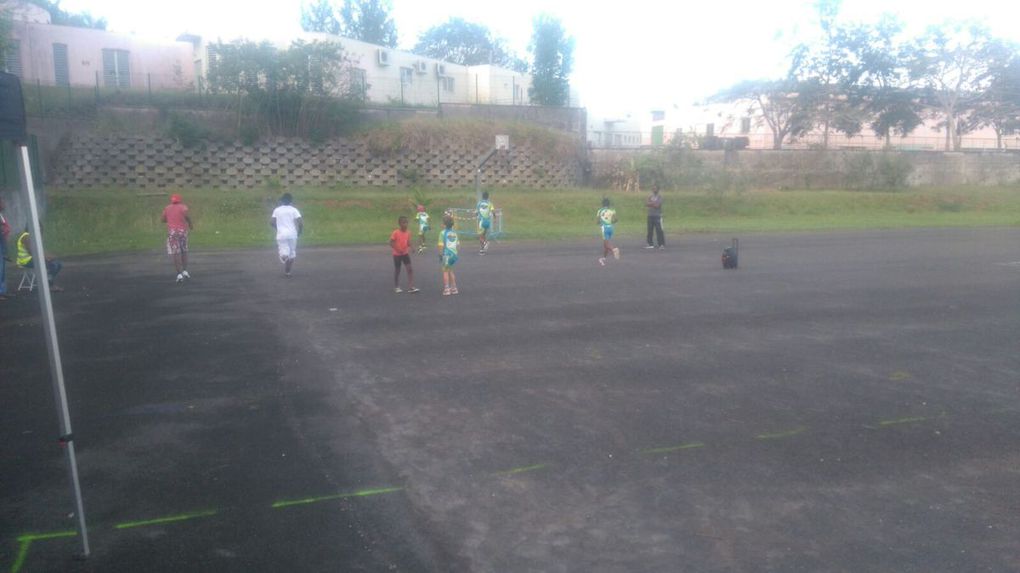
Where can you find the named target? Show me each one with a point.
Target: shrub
(185, 132)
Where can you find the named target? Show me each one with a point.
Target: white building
(391, 76)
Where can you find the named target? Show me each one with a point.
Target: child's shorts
(401, 259)
(607, 232)
(449, 260)
(484, 224)
(288, 249)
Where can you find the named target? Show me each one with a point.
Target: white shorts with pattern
(288, 249)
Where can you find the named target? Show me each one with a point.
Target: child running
(423, 227)
(485, 210)
(287, 221)
(448, 255)
(607, 218)
(400, 242)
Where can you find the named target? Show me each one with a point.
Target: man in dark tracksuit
(654, 204)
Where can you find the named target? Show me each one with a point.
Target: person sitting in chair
(27, 261)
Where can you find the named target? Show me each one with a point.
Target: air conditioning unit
(440, 69)
(421, 67)
(383, 57)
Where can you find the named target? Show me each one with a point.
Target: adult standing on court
(654, 204)
(178, 224)
(289, 226)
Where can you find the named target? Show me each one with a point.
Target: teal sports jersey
(606, 216)
(448, 242)
(423, 221)
(484, 209)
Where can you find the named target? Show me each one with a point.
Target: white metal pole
(50, 329)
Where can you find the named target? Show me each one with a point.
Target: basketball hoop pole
(502, 142)
(50, 329)
(478, 173)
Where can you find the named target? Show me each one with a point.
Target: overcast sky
(630, 57)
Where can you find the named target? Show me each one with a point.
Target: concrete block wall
(143, 162)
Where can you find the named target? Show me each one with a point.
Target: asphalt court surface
(841, 402)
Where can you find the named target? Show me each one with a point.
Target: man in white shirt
(287, 222)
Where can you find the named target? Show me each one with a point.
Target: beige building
(47, 54)
(51, 55)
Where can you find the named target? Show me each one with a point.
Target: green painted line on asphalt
(169, 519)
(667, 449)
(909, 420)
(522, 469)
(778, 435)
(25, 542)
(359, 493)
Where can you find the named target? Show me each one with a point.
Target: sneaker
(454, 291)
(287, 274)
(446, 291)
(602, 261)
(398, 290)
(180, 277)
(616, 253)
(186, 275)
(650, 247)
(485, 247)
(413, 290)
(661, 247)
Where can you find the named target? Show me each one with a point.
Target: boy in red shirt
(178, 223)
(400, 242)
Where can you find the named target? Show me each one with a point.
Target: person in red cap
(178, 223)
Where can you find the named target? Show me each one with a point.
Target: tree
(787, 106)
(300, 90)
(467, 43)
(878, 79)
(320, 16)
(951, 63)
(61, 17)
(826, 64)
(1000, 106)
(552, 60)
(368, 21)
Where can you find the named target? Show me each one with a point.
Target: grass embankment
(108, 221)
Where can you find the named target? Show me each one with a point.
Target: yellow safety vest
(24, 257)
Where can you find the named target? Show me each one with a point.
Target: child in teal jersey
(606, 218)
(423, 227)
(485, 211)
(448, 255)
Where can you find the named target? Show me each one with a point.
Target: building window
(12, 58)
(406, 76)
(359, 83)
(447, 82)
(61, 72)
(745, 125)
(116, 70)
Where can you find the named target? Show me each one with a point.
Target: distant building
(616, 132)
(740, 120)
(51, 55)
(390, 76)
